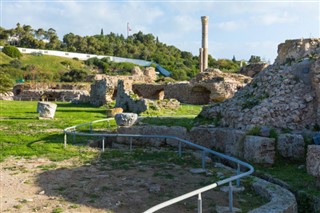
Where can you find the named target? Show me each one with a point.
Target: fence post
(65, 140)
(199, 203)
(103, 144)
(230, 197)
(238, 173)
(180, 149)
(203, 159)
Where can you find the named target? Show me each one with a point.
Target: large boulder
(126, 119)
(291, 146)
(46, 109)
(259, 150)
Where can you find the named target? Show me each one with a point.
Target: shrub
(6, 83)
(11, 51)
(75, 75)
(16, 63)
(36, 53)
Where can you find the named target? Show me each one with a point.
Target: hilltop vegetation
(182, 64)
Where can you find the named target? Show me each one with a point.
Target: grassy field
(23, 134)
(48, 63)
(4, 59)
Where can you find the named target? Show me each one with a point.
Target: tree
(254, 59)
(101, 33)
(234, 59)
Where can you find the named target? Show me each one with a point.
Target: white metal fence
(205, 151)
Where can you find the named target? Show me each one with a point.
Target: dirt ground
(41, 185)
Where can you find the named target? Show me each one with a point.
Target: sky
(236, 28)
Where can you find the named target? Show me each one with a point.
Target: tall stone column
(204, 56)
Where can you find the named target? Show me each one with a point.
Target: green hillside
(4, 59)
(48, 63)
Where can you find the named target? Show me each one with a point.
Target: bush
(36, 54)
(11, 51)
(75, 75)
(6, 83)
(16, 63)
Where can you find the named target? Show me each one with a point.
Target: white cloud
(232, 25)
(273, 18)
(185, 23)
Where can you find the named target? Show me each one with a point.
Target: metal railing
(205, 151)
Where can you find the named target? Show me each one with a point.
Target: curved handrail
(72, 130)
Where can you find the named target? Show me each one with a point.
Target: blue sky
(240, 28)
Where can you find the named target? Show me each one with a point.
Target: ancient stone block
(175, 131)
(46, 109)
(313, 160)
(203, 136)
(259, 149)
(228, 141)
(126, 119)
(291, 146)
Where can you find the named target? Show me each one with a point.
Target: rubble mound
(281, 96)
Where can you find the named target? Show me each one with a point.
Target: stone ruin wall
(297, 49)
(284, 96)
(52, 91)
(206, 87)
(183, 92)
(104, 88)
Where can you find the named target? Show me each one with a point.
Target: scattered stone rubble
(253, 69)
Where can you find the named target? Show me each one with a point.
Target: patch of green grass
(57, 210)
(47, 167)
(23, 134)
(4, 59)
(17, 206)
(186, 122)
(185, 110)
(294, 174)
(250, 195)
(254, 131)
(49, 63)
